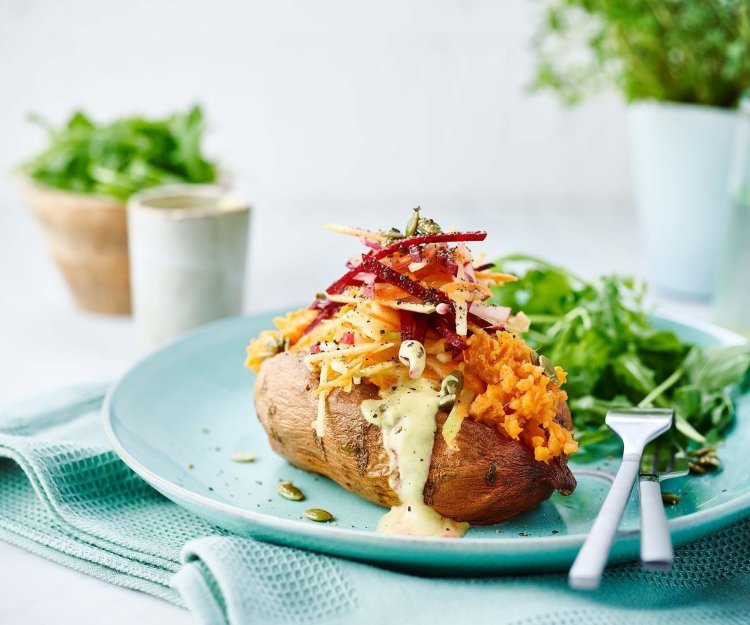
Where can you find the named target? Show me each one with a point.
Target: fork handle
(656, 543)
(586, 572)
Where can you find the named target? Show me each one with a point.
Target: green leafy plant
(121, 157)
(689, 51)
(600, 334)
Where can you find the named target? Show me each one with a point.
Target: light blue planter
(680, 159)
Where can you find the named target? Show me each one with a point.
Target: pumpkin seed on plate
(549, 368)
(289, 491)
(244, 456)
(670, 499)
(318, 515)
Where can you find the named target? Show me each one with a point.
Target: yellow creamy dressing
(406, 415)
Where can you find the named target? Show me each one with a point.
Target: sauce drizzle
(406, 415)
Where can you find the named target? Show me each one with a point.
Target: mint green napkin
(64, 495)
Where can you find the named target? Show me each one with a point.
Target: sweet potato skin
(489, 478)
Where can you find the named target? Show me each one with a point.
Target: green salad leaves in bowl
(118, 158)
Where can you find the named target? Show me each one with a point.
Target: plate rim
(680, 526)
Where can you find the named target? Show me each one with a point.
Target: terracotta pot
(88, 238)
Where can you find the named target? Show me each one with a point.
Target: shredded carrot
(519, 397)
(469, 291)
(495, 278)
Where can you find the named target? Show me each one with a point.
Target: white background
(330, 110)
(326, 110)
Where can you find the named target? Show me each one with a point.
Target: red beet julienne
(444, 237)
(425, 294)
(326, 309)
(440, 323)
(404, 282)
(413, 325)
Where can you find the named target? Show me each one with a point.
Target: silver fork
(636, 427)
(661, 462)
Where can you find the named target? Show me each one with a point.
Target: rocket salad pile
(601, 335)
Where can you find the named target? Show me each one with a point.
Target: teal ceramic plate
(178, 416)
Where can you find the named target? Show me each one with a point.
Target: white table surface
(45, 343)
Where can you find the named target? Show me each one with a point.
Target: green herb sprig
(119, 158)
(687, 51)
(600, 334)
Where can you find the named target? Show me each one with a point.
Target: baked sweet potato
(487, 479)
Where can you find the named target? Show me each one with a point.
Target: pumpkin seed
(704, 460)
(318, 515)
(452, 383)
(446, 402)
(289, 491)
(391, 236)
(411, 225)
(549, 368)
(428, 226)
(670, 499)
(244, 456)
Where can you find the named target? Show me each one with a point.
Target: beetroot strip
(345, 280)
(406, 317)
(326, 309)
(405, 283)
(444, 237)
(441, 325)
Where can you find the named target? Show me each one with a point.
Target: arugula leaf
(600, 334)
(717, 368)
(119, 158)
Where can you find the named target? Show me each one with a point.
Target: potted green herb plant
(683, 65)
(77, 189)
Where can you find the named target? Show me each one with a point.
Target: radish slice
(495, 315)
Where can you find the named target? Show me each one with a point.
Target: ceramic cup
(188, 245)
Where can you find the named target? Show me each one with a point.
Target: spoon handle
(586, 572)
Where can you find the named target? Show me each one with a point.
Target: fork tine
(670, 461)
(655, 461)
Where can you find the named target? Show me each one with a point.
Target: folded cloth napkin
(66, 496)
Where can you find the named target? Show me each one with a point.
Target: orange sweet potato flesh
(489, 478)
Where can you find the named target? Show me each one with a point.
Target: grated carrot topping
(519, 397)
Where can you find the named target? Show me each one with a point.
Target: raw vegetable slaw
(421, 296)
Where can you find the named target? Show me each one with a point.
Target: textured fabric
(64, 495)
(710, 583)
